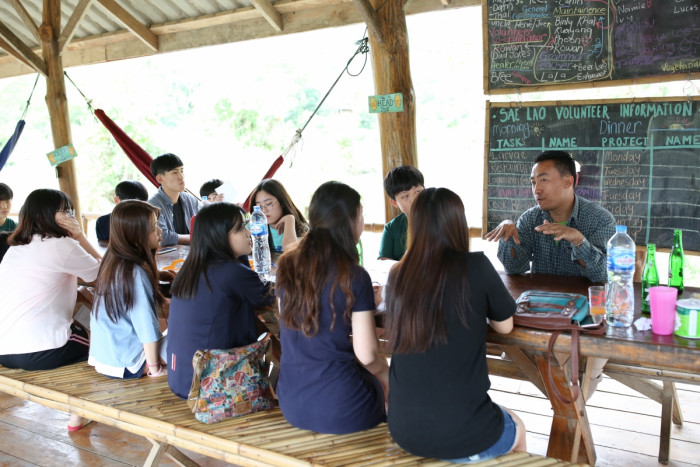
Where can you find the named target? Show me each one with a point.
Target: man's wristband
(579, 245)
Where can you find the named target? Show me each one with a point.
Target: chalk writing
(640, 160)
(549, 42)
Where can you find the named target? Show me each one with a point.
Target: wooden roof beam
(28, 21)
(269, 13)
(27, 55)
(131, 23)
(11, 51)
(72, 24)
(371, 18)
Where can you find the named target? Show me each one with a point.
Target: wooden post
(56, 101)
(392, 74)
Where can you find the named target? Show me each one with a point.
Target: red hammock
(142, 160)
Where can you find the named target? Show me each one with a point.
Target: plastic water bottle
(619, 291)
(261, 249)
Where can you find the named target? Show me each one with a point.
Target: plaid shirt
(549, 257)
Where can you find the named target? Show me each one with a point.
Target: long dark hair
(209, 244)
(303, 272)
(38, 216)
(277, 190)
(437, 234)
(129, 229)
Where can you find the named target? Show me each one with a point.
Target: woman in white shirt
(38, 285)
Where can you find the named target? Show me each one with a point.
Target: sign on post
(61, 155)
(386, 103)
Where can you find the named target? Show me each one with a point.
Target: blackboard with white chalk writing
(639, 159)
(564, 42)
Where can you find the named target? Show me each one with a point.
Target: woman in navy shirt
(329, 383)
(214, 293)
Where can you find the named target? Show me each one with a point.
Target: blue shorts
(503, 446)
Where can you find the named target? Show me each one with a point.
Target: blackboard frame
(695, 147)
(489, 90)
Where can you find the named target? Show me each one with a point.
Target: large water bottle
(261, 249)
(619, 291)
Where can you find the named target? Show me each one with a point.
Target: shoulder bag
(230, 383)
(558, 312)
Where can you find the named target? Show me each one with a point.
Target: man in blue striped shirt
(564, 234)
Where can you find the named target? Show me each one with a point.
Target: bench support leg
(161, 449)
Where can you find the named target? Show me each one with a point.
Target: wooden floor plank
(7, 460)
(622, 437)
(95, 444)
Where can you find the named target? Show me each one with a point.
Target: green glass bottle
(676, 262)
(360, 252)
(650, 276)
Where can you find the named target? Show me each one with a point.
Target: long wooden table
(631, 355)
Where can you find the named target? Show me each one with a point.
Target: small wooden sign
(386, 103)
(60, 155)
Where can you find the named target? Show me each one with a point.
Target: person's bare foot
(76, 423)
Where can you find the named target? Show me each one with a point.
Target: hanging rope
(363, 48)
(87, 101)
(29, 101)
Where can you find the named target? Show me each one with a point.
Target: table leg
(570, 438)
(668, 400)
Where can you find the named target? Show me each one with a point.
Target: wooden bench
(148, 408)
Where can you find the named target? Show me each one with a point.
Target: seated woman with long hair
(38, 285)
(126, 337)
(214, 294)
(438, 299)
(287, 223)
(329, 383)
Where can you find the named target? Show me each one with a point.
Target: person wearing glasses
(214, 294)
(38, 285)
(287, 223)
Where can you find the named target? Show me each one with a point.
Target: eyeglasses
(267, 206)
(69, 213)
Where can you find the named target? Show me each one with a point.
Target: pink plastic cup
(662, 301)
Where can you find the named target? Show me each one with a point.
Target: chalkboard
(639, 159)
(534, 43)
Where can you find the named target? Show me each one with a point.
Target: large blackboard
(559, 42)
(639, 159)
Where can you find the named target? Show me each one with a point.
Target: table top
(164, 255)
(623, 345)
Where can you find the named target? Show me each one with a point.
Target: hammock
(141, 159)
(11, 143)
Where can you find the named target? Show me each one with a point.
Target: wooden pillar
(392, 73)
(56, 101)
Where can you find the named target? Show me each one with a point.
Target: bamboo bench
(148, 408)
